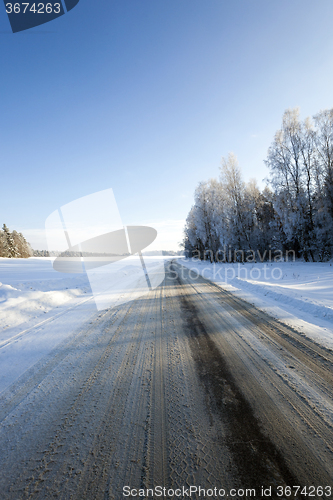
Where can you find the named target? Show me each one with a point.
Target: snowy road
(186, 386)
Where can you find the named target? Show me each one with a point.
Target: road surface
(186, 386)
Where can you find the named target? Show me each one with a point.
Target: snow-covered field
(30, 288)
(297, 293)
(39, 308)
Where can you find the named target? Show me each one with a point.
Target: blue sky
(146, 96)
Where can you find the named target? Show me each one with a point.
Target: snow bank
(297, 293)
(30, 288)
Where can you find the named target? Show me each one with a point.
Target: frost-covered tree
(24, 249)
(13, 245)
(201, 230)
(10, 247)
(191, 242)
(240, 201)
(323, 223)
(3, 247)
(324, 145)
(292, 160)
(268, 225)
(233, 187)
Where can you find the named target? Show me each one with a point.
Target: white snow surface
(31, 287)
(39, 308)
(300, 294)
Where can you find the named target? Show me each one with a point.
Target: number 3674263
(36, 8)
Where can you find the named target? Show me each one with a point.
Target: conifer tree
(11, 249)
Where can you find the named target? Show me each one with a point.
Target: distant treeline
(294, 213)
(13, 244)
(46, 253)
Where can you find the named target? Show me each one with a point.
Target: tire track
(30, 380)
(158, 453)
(198, 454)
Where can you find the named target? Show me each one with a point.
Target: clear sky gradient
(146, 96)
